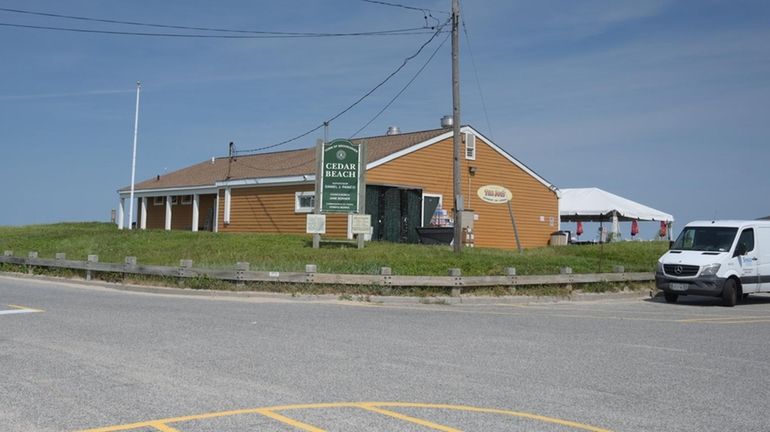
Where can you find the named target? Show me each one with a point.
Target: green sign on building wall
(340, 177)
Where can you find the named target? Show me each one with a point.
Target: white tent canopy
(596, 205)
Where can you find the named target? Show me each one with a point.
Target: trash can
(559, 238)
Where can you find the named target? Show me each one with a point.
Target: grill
(680, 270)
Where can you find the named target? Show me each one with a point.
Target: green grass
(283, 252)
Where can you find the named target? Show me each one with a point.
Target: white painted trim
(227, 206)
(273, 181)
(143, 215)
(297, 195)
(168, 213)
(121, 212)
(408, 150)
(468, 136)
(513, 160)
(464, 129)
(422, 207)
(202, 190)
(216, 213)
(195, 212)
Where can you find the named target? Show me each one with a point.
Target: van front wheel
(729, 293)
(670, 297)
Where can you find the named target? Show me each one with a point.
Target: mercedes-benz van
(728, 259)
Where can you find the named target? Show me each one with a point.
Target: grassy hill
(284, 252)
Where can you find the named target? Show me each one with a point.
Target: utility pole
(457, 192)
(133, 159)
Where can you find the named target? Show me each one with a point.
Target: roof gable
(297, 163)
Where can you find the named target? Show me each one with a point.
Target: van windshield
(713, 239)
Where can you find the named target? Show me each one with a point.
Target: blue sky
(663, 102)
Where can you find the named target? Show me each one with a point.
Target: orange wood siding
(431, 169)
(270, 209)
(181, 214)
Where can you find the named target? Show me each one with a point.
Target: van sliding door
(763, 256)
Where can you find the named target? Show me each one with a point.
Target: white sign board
(360, 223)
(494, 194)
(316, 224)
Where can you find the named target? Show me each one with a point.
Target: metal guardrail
(240, 273)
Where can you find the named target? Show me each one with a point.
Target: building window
(158, 201)
(186, 199)
(174, 200)
(470, 146)
(304, 202)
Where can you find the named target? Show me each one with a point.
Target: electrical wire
(402, 90)
(384, 3)
(303, 163)
(209, 29)
(351, 106)
(415, 31)
(478, 81)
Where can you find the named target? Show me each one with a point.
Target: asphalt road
(76, 357)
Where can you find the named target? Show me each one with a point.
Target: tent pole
(601, 245)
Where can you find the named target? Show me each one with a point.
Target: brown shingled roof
(276, 164)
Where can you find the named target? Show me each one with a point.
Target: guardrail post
(618, 269)
(8, 253)
(129, 262)
(60, 256)
(567, 271)
(310, 270)
(91, 259)
(511, 273)
(30, 256)
(240, 268)
(457, 281)
(387, 276)
(184, 265)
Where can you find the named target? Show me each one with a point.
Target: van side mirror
(740, 250)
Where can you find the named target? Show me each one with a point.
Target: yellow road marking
(25, 308)
(410, 419)
(270, 412)
(724, 318)
(289, 421)
(163, 427)
(493, 411)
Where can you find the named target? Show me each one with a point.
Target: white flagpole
(133, 158)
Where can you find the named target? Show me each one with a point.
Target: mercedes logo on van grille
(678, 269)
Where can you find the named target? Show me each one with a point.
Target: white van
(728, 259)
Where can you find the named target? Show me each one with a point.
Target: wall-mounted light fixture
(472, 170)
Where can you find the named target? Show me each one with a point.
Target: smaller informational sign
(494, 194)
(316, 224)
(360, 223)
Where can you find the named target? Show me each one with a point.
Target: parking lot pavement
(88, 358)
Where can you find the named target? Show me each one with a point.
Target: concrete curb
(576, 296)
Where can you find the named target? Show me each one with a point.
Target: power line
(351, 106)
(402, 32)
(210, 29)
(478, 82)
(384, 3)
(403, 89)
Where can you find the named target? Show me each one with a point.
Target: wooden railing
(240, 273)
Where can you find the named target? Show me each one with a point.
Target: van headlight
(710, 270)
(660, 267)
